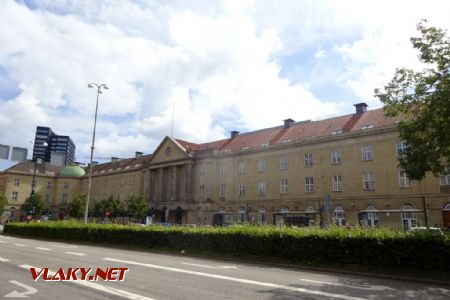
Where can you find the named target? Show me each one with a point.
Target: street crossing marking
(3, 242)
(3, 259)
(241, 280)
(20, 245)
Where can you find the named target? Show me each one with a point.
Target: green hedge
(424, 251)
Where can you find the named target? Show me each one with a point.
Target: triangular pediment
(169, 150)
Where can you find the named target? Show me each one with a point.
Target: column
(174, 183)
(159, 191)
(187, 196)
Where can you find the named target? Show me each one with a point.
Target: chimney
(234, 134)
(138, 154)
(360, 108)
(288, 123)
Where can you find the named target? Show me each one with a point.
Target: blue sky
(223, 65)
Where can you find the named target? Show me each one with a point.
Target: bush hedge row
(336, 246)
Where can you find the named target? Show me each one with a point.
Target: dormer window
(367, 126)
(337, 132)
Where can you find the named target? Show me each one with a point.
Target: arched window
(339, 216)
(261, 215)
(372, 216)
(409, 217)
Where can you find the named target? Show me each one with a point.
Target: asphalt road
(160, 276)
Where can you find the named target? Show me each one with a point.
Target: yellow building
(342, 170)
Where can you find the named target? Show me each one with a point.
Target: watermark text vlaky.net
(73, 274)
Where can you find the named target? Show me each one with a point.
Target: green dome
(72, 171)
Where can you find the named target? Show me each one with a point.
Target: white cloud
(219, 63)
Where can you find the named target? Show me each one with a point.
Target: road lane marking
(43, 248)
(61, 246)
(75, 253)
(20, 245)
(210, 267)
(15, 294)
(241, 280)
(3, 242)
(367, 288)
(3, 259)
(98, 287)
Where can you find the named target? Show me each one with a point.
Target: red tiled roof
(298, 131)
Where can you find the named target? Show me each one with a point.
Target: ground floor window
(372, 217)
(339, 216)
(262, 216)
(409, 217)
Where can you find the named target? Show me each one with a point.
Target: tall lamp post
(99, 87)
(36, 160)
(33, 181)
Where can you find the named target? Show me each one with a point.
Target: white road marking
(20, 245)
(3, 242)
(241, 280)
(69, 247)
(15, 294)
(43, 248)
(367, 288)
(76, 253)
(99, 287)
(210, 267)
(3, 259)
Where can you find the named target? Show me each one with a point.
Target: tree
(137, 207)
(33, 205)
(3, 203)
(76, 206)
(422, 99)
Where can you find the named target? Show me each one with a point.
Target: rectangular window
(366, 153)
(14, 196)
(241, 189)
(241, 168)
(261, 165)
(309, 184)
(49, 185)
(261, 188)
(284, 163)
(284, 187)
(64, 199)
(202, 192)
(222, 169)
(400, 148)
(16, 182)
(308, 160)
(222, 190)
(122, 182)
(202, 170)
(336, 156)
(404, 181)
(66, 185)
(369, 181)
(48, 198)
(445, 177)
(337, 183)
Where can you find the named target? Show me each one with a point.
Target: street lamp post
(36, 160)
(99, 91)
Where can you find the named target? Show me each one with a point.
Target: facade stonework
(342, 170)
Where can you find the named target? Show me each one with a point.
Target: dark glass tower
(60, 144)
